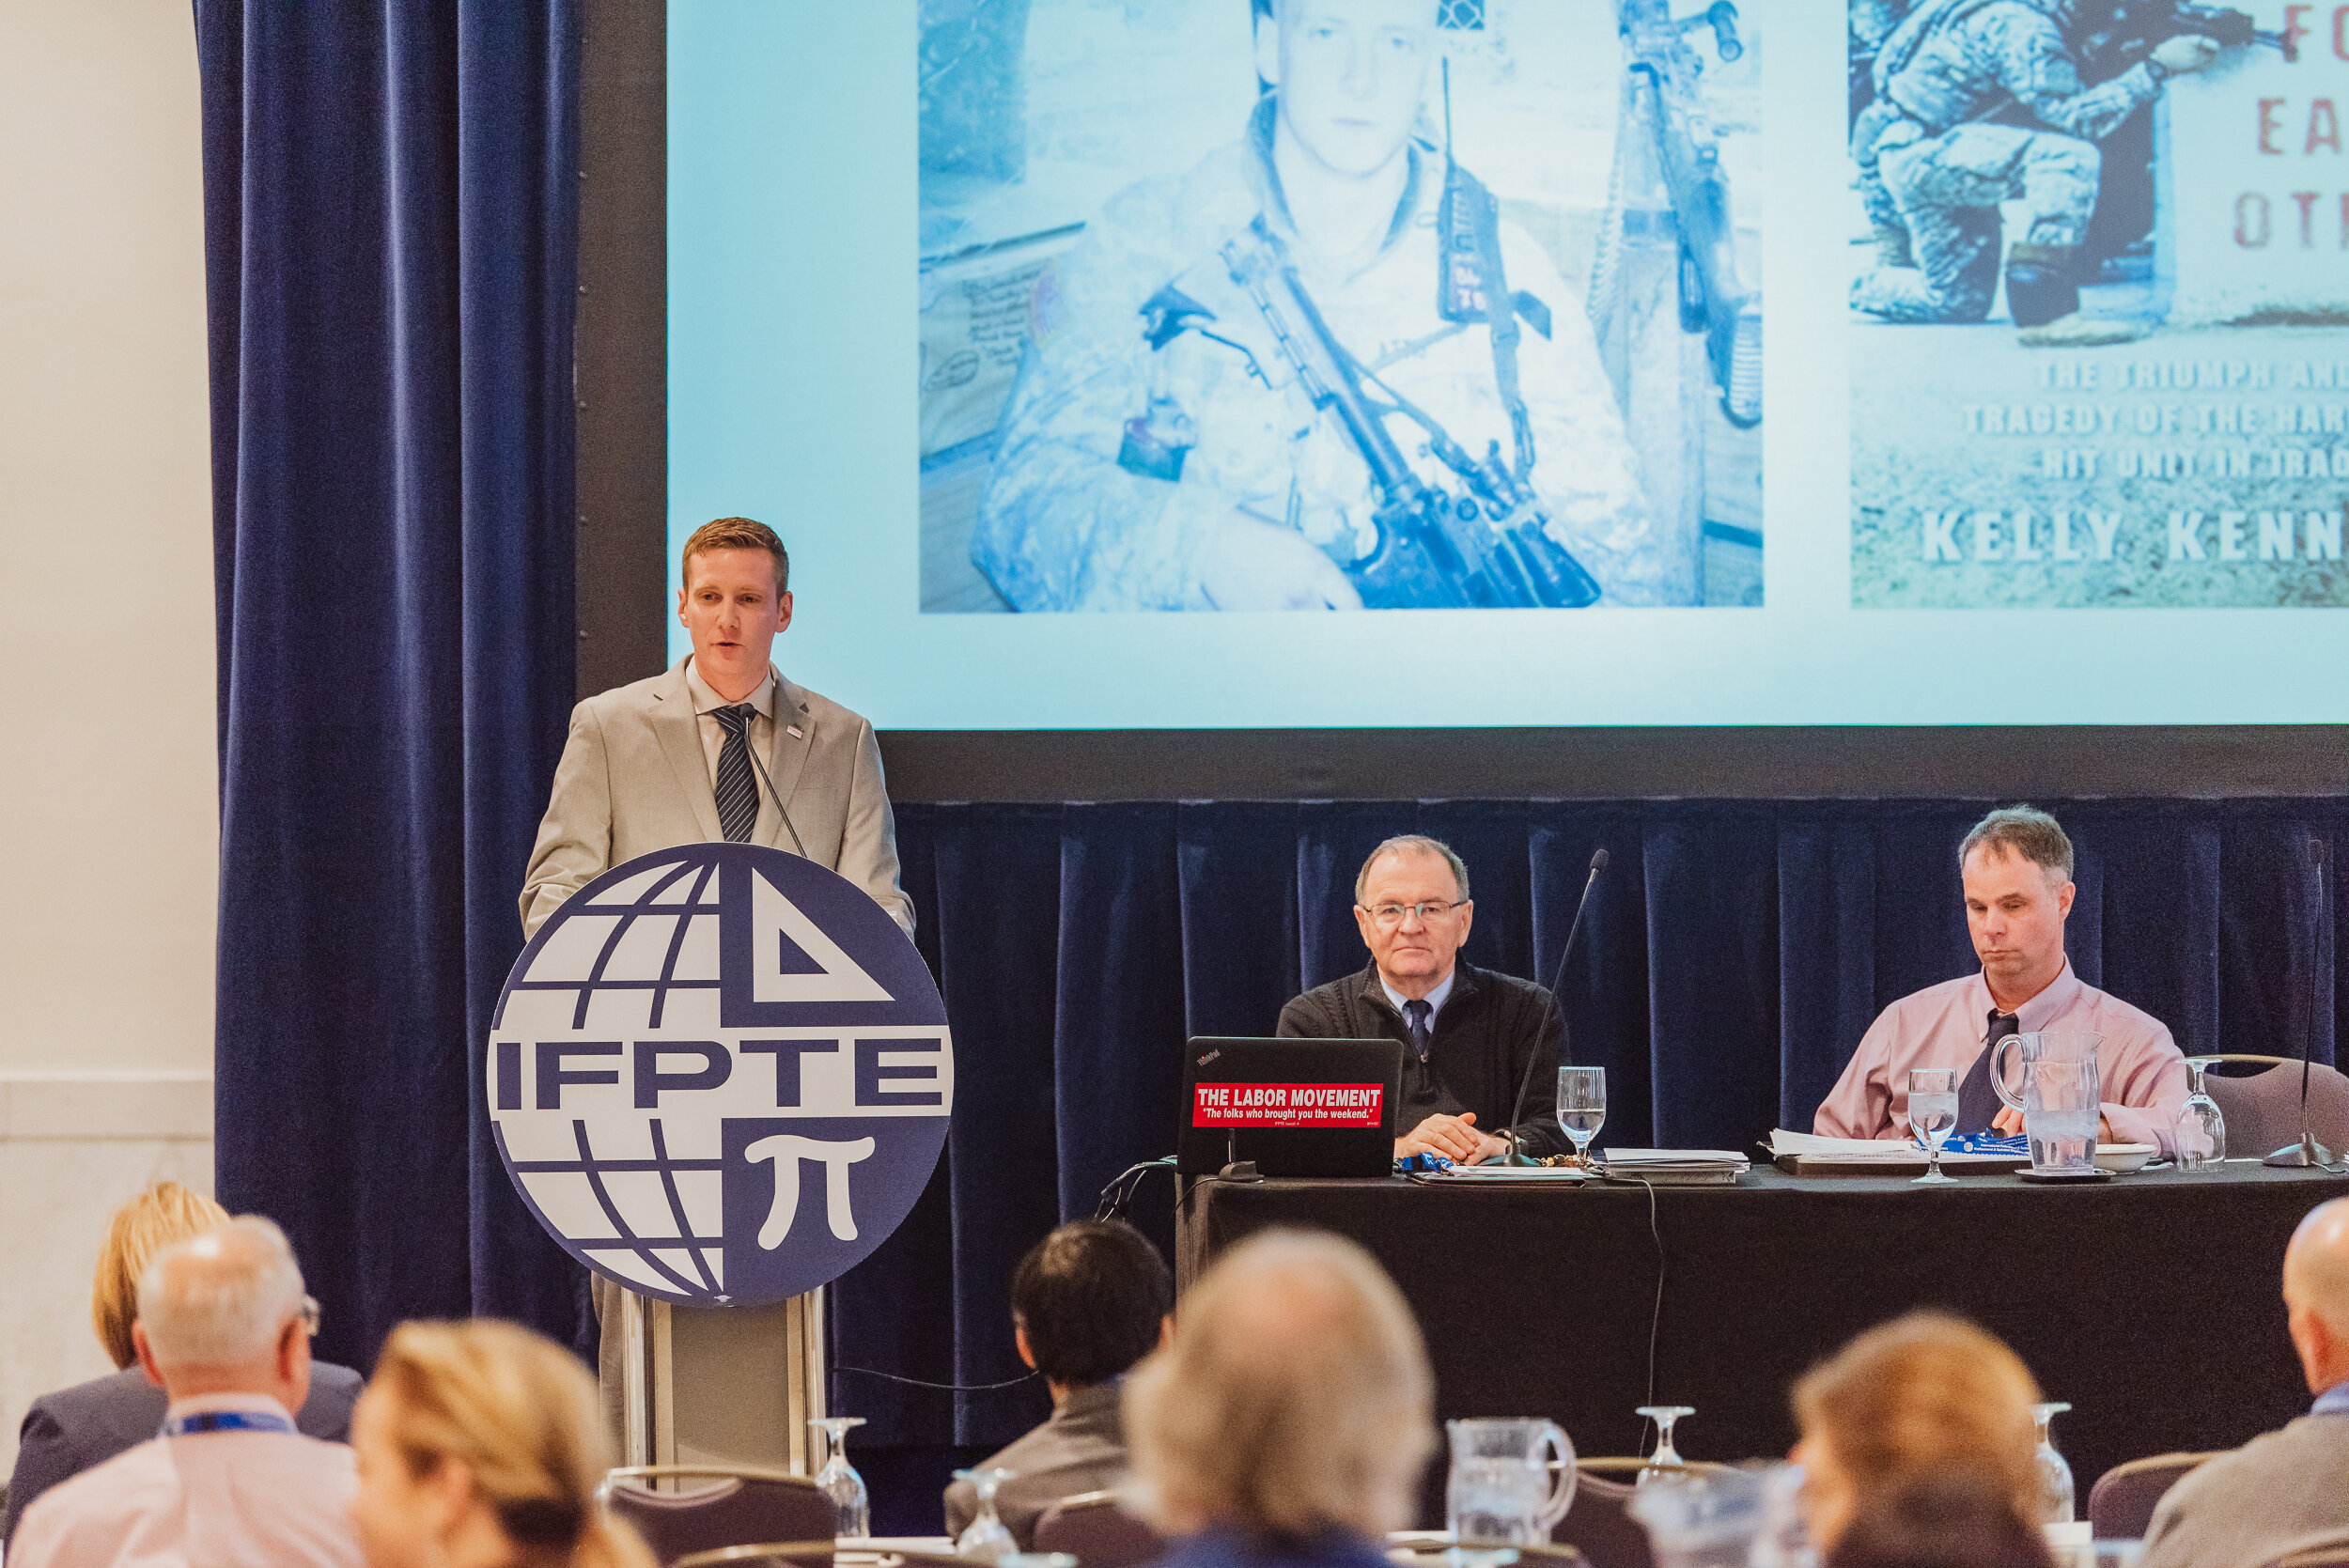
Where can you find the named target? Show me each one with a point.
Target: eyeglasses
(310, 1314)
(1391, 914)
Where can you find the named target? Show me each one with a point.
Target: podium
(725, 1386)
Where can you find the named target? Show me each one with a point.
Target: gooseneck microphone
(1557, 976)
(2307, 1151)
(775, 796)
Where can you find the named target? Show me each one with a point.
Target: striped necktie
(1415, 1016)
(736, 790)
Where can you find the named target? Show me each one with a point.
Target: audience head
(1955, 1521)
(1409, 942)
(1294, 1397)
(2016, 866)
(164, 1213)
(480, 1443)
(224, 1313)
(1090, 1300)
(1925, 1396)
(2317, 1294)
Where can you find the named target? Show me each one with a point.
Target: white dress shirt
(761, 735)
(202, 1500)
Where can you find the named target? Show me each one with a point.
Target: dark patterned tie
(737, 791)
(1415, 1016)
(1978, 1100)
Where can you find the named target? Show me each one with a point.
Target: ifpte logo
(720, 1074)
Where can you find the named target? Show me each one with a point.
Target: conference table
(2150, 1302)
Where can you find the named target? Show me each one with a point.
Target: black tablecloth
(2150, 1302)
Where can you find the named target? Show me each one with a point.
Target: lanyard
(225, 1420)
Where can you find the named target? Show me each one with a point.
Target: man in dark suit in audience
(1088, 1301)
(1474, 1039)
(2281, 1492)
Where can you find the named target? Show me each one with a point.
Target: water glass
(1581, 1107)
(2201, 1131)
(985, 1539)
(1666, 1460)
(1932, 1114)
(2057, 1496)
(852, 1505)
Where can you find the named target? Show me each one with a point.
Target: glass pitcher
(2061, 1099)
(1747, 1517)
(1501, 1488)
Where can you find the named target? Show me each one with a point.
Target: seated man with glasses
(1471, 1038)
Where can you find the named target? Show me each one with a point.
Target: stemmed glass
(1666, 1457)
(985, 1539)
(1581, 1107)
(1932, 1114)
(2056, 1493)
(852, 1505)
(2202, 1136)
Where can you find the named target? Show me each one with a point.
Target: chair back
(2331, 1552)
(1597, 1523)
(1091, 1528)
(2263, 1109)
(731, 1508)
(2121, 1504)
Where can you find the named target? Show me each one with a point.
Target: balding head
(222, 1312)
(2316, 1293)
(1296, 1396)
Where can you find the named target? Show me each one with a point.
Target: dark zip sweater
(1487, 1036)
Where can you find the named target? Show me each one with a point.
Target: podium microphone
(2307, 1151)
(1557, 975)
(775, 797)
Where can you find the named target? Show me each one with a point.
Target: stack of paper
(1812, 1149)
(1678, 1167)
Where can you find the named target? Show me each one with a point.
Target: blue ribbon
(225, 1420)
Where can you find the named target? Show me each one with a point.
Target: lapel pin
(792, 730)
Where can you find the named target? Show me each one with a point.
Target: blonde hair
(1926, 1396)
(519, 1411)
(163, 1214)
(1296, 1396)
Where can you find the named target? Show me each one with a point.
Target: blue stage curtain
(1733, 954)
(390, 216)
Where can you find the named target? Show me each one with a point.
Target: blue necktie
(1978, 1101)
(1415, 1016)
(736, 790)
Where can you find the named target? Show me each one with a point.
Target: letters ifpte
(659, 1067)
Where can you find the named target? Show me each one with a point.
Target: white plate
(2123, 1159)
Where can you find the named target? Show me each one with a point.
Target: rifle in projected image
(2114, 35)
(1485, 546)
(1668, 107)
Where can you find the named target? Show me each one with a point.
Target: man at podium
(2018, 868)
(719, 747)
(1474, 1040)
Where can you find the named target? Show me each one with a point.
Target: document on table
(1870, 1151)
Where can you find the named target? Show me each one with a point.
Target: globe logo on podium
(720, 1074)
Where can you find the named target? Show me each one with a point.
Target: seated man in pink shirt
(225, 1328)
(2018, 869)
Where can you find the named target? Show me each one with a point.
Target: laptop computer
(1296, 1108)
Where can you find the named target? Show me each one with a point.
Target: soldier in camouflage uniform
(1980, 101)
(1197, 474)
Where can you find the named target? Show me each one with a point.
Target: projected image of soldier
(1317, 370)
(1977, 103)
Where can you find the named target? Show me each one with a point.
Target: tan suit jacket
(634, 779)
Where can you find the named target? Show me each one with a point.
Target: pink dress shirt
(2142, 1073)
(203, 1501)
